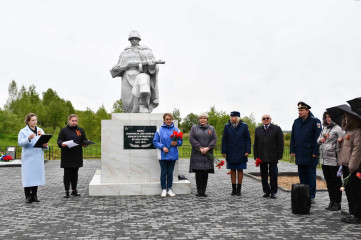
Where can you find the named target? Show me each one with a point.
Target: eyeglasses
(265, 118)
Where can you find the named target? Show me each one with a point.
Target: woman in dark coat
(203, 139)
(71, 157)
(236, 146)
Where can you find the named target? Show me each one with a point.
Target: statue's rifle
(117, 70)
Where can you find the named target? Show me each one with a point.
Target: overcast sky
(254, 56)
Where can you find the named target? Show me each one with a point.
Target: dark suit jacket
(268, 146)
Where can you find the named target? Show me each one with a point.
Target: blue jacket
(162, 139)
(304, 140)
(32, 159)
(236, 142)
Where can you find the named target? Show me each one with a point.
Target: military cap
(235, 114)
(134, 34)
(302, 105)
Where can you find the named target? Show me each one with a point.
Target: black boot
(204, 192)
(239, 187)
(329, 206)
(34, 197)
(234, 190)
(75, 193)
(199, 191)
(335, 207)
(34, 194)
(66, 194)
(28, 199)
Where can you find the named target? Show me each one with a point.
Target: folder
(42, 140)
(87, 142)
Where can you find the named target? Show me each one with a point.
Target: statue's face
(134, 41)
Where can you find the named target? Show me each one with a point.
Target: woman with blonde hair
(71, 158)
(203, 139)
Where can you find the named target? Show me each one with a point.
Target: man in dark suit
(268, 146)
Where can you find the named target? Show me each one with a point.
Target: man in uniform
(305, 131)
(139, 72)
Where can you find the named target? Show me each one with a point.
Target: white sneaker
(164, 193)
(170, 193)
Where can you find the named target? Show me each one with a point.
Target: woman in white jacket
(330, 135)
(32, 159)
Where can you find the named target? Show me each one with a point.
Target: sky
(252, 56)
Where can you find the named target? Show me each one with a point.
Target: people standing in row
(304, 147)
(167, 153)
(350, 159)
(71, 157)
(236, 146)
(328, 140)
(32, 160)
(268, 146)
(203, 139)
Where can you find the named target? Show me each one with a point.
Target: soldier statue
(138, 69)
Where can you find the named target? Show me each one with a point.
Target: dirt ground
(287, 181)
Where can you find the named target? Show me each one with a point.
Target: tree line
(52, 111)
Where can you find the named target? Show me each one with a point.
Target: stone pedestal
(130, 171)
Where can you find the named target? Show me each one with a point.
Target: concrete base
(97, 188)
(134, 171)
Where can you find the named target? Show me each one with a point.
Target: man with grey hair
(268, 146)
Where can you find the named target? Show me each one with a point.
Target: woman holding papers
(70, 140)
(32, 159)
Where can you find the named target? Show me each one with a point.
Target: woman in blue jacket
(167, 153)
(236, 146)
(32, 159)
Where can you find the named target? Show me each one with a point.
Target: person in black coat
(203, 139)
(268, 146)
(236, 146)
(71, 157)
(304, 147)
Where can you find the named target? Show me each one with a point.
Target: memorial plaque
(139, 137)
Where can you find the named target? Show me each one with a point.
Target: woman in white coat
(32, 160)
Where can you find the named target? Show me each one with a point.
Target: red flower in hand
(358, 174)
(258, 162)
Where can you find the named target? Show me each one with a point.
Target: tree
(118, 106)
(190, 120)
(176, 115)
(10, 123)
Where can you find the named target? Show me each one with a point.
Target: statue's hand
(151, 63)
(117, 68)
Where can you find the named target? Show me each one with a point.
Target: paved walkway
(220, 216)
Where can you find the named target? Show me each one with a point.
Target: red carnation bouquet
(258, 162)
(219, 162)
(6, 158)
(175, 137)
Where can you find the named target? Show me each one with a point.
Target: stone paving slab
(220, 216)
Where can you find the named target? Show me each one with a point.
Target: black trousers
(201, 179)
(70, 177)
(31, 191)
(272, 168)
(353, 192)
(333, 182)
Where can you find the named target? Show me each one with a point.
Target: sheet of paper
(70, 143)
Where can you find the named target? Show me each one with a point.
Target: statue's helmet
(134, 34)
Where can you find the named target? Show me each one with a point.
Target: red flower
(358, 174)
(258, 162)
(220, 164)
(180, 135)
(347, 137)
